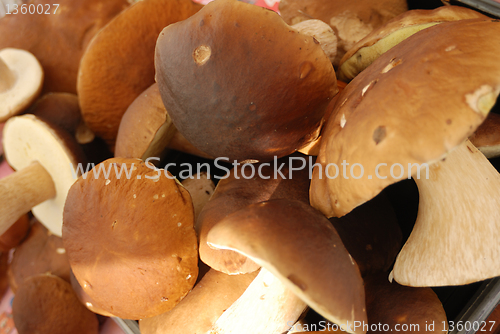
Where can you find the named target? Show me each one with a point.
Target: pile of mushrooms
(99, 227)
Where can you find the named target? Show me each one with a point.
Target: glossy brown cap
(46, 304)
(410, 106)
(118, 64)
(66, 30)
(236, 192)
(298, 245)
(238, 82)
(402, 307)
(130, 240)
(487, 136)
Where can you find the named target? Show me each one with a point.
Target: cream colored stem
(21, 191)
(323, 34)
(7, 78)
(456, 238)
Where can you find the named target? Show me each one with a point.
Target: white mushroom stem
(267, 306)
(7, 77)
(23, 190)
(456, 236)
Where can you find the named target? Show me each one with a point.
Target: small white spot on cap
(163, 195)
(352, 261)
(60, 250)
(342, 121)
(135, 196)
(88, 304)
(179, 224)
(452, 47)
(155, 197)
(188, 276)
(107, 182)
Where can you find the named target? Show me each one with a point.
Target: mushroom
(299, 246)
(235, 192)
(146, 129)
(393, 307)
(209, 299)
(416, 79)
(46, 304)
(42, 252)
(201, 189)
(487, 136)
(45, 158)
(108, 82)
(351, 20)
(21, 78)
(240, 83)
(364, 122)
(65, 29)
(364, 52)
(130, 238)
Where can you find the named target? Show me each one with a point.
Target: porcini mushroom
(46, 159)
(351, 20)
(130, 238)
(108, 82)
(256, 86)
(365, 51)
(15, 234)
(46, 304)
(300, 247)
(21, 78)
(376, 114)
(235, 192)
(42, 252)
(65, 28)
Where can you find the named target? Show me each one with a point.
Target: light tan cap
(411, 106)
(364, 52)
(21, 79)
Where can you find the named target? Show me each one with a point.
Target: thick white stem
(456, 238)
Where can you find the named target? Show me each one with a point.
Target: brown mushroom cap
(351, 20)
(364, 52)
(130, 240)
(402, 308)
(240, 83)
(487, 136)
(375, 117)
(299, 246)
(85, 299)
(236, 192)
(21, 77)
(40, 253)
(65, 32)
(47, 304)
(108, 81)
(209, 299)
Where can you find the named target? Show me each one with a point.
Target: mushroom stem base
(23, 190)
(456, 236)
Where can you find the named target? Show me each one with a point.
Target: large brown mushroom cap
(487, 136)
(411, 106)
(65, 35)
(119, 62)
(130, 240)
(299, 246)
(238, 82)
(46, 304)
(364, 52)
